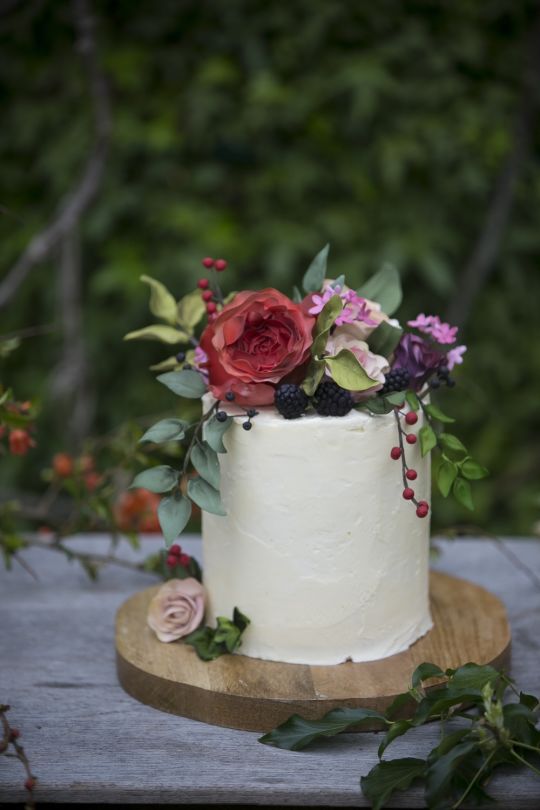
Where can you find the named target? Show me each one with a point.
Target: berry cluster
(442, 377)
(408, 473)
(222, 416)
(291, 400)
(397, 379)
(176, 557)
(211, 297)
(328, 400)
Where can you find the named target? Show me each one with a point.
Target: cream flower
(177, 609)
(375, 365)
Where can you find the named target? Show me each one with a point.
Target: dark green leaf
(521, 723)
(461, 491)
(325, 321)
(437, 414)
(387, 777)
(185, 383)
(446, 475)
(211, 642)
(396, 730)
(174, 512)
(316, 272)
(202, 640)
(472, 470)
(385, 288)
(205, 461)
(399, 704)
(378, 405)
(167, 430)
(214, 431)
(428, 439)
(157, 479)
(424, 672)
(530, 701)
(440, 773)
(314, 375)
(472, 676)
(384, 339)
(451, 442)
(296, 732)
(205, 496)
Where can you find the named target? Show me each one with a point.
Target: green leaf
(205, 496)
(162, 303)
(412, 401)
(174, 512)
(205, 461)
(384, 339)
(190, 310)
(202, 640)
(397, 398)
(325, 321)
(472, 676)
(440, 773)
(167, 430)
(424, 672)
(396, 730)
(428, 439)
(157, 331)
(446, 475)
(214, 430)
(385, 288)
(185, 383)
(210, 643)
(314, 375)
(316, 272)
(399, 704)
(240, 619)
(387, 777)
(472, 470)
(348, 373)
(378, 405)
(169, 364)
(296, 732)
(297, 295)
(451, 442)
(157, 479)
(461, 490)
(437, 414)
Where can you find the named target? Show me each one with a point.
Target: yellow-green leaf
(162, 303)
(190, 310)
(348, 373)
(165, 334)
(170, 364)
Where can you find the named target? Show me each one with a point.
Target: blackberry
(396, 380)
(291, 400)
(331, 400)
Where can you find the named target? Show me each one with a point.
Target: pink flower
(320, 300)
(177, 609)
(374, 365)
(200, 358)
(455, 356)
(432, 325)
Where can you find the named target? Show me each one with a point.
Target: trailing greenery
(486, 732)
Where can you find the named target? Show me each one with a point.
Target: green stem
(473, 781)
(524, 761)
(524, 745)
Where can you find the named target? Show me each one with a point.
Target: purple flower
(418, 357)
(432, 325)
(455, 356)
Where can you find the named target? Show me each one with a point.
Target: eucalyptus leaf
(397, 398)
(472, 470)
(385, 778)
(428, 439)
(169, 364)
(190, 310)
(384, 339)
(205, 496)
(461, 490)
(214, 430)
(205, 461)
(348, 373)
(446, 475)
(157, 479)
(157, 331)
(162, 303)
(186, 383)
(385, 288)
(174, 513)
(437, 414)
(316, 272)
(167, 430)
(297, 732)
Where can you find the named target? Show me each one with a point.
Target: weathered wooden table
(89, 742)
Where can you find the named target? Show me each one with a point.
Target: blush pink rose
(257, 340)
(177, 609)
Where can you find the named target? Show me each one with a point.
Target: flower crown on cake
(327, 351)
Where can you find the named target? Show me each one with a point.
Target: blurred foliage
(259, 131)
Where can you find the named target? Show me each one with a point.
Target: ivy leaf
(316, 272)
(472, 470)
(205, 496)
(186, 383)
(205, 461)
(167, 430)
(437, 414)
(214, 430)
(157, 331)
(387, 777)
(296, 732)
(385, 288)
(189, 310)
(162, 303)
(451, 442)
(156, 479)
(384, 339)
(174, 512)
(424, 672)
(428, 439)
(461, 490)
(446, 475)
(440, 773)
(348, 373)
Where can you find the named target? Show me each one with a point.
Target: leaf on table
(297, 732)
(387, 777)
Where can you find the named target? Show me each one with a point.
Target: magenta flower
(319, 301)
(433, 326)
(455, 356)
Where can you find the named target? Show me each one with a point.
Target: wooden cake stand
(470, 624)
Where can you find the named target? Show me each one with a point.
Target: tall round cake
(318, 547)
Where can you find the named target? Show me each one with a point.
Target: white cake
(319, 549)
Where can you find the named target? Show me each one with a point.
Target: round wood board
(470, 624)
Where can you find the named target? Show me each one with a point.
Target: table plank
(89, 742)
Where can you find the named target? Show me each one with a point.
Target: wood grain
(235, 691)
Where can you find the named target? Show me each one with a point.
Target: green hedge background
(258, 132)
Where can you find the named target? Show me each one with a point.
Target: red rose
(255, 341)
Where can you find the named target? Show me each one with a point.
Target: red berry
(30, 783)
(172, 561)
(207, 295)
(211, 307)
(14, 734)
(203, 283)
(184, 560)
(410, 438)
(208, 262)
(423, 503)
(411, 418)
(220, 264)
(411, 474)
(422, 510)
(408, 493)
(395, 453)
(175, 550)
